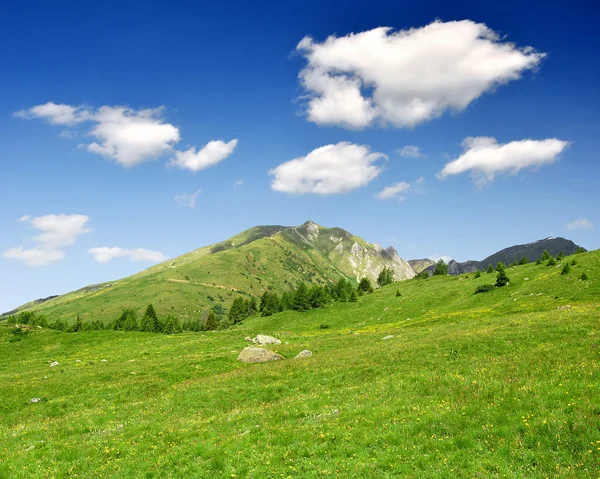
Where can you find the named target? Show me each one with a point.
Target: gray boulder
(264, 339)
(564, 308)
(304, 354)
(389, 336)
(258, 355)
(54, 364)
(34, 400)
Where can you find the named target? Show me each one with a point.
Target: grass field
(500, 384)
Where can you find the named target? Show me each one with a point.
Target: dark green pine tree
(78, 326)
(353, 297)
(272, 305)
(500, 266)
(238, 310)
(545, 255)
(524, 260)
(172, 325)
(490, 269)
(252, 306)
(386, 276)
(441, 268)
(365, 286)
(150, 322)
(212, 322)
(301, 298)
(566, 269)
(502, 279)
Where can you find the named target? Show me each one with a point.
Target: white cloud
(56, 114)
(400, 189)
(187, 199)
(34, 256)
(396, 190)
(485, 158)
(128, 136)
(211, 154)
(411, 151)
(237, 184)
(131, 137)
(414, 75)
(330, 169)
(57, 232)
(582, 224)
(105, 254)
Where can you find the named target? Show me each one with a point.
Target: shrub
(566, 269)
(398, 293)
(539, 261)
(583, 277)
(477, 275)
(324, 326)
(484, 288)
(490, 269)
(365, 286)
(551, 262)
(422, 275)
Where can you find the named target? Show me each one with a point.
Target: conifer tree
(545, 255)
(212, 322)
(566, 269)
(301, 298)
(477, 274)
(386, 276)
(353, 297)
(365, 285)
(500, 266)
(150, 322)
(441, 268)
(490, 269)
(502, 279)
(524, 260)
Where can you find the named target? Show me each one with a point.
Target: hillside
(531, 251)
(500, 384)
(419, 265)
(262, 258)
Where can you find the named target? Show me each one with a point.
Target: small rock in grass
(540, 294)
(264, 339)
(565, 307)
(304, 354)
(389, 336)
(248, 338)
(132, 373)
(78, 360)
(104, 361)
(34, 400)
(258, 355)
(525, 279)
(54, 363)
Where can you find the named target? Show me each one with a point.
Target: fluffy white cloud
(407, 77)
(128, 136)
(582, 224)
(396, 190)
(211, 154)
(187, 199)
(330, 169)
(56, 114)
(411, 151)
(57, 232)
(105, 254)
(485, 158)
(34, 256)
(131, 137)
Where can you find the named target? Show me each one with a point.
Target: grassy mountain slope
(256, 260)
(500, 384)
(419, 265)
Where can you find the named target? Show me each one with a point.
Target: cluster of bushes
(502, 279)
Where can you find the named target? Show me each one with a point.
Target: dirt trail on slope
(219, 286)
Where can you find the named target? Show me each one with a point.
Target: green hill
(499, 384)
(262, 258)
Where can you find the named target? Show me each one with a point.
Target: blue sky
(142, 102)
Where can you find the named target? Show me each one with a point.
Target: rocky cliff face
(349, 254)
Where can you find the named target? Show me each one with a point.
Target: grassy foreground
(500, 384)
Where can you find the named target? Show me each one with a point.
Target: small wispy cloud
(188, 200)
(581, 224)
(237, 184)
(411, 151)
(399, 190)
(105, 254)
(437, 257)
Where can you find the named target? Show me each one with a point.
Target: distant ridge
(532, 251)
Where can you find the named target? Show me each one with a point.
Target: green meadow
(499, 384)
